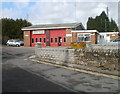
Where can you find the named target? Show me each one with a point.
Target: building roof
(53, 26)
(84, 31)
(108, 32)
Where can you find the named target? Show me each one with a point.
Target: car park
(13, 42)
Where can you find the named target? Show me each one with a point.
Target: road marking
(80, 70)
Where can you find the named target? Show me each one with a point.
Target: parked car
(115, 41)
(22, 43)
(14, 42)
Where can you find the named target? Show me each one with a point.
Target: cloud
(16, 0)
(66, 12)
(98, 9)
(20, 5)
(119, 15)
(16, 11)
(51, 12)
(60, 1)
(59, 12)
(7, 13)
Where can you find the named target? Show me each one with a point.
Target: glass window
(51, 40)
(40, 39)
(80, 39)
(55, 39)
(116, 40)
(10, 40)
(36, 39)
(32, 40)
(16, 40)
(83, 37)
(64, 39)
(44, 40)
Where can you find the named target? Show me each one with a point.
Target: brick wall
(74, 37)
(93, 37)
(68, 39)
(27, 38)
(106, 59)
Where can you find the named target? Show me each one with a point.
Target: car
(115, 41)
(13, 42)
(22, 43)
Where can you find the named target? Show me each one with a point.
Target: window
(107, 34)
(44, 40)
(64, 39)
(83, 37)
(55, 39)
(10, 40)
(16, 40)
(36, 39)
(113, 34)
(40, 39)
(32, 40)
(51, 40)
(116, 40)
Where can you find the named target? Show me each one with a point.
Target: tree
(113, 26)
(102, 23)
(11, 29)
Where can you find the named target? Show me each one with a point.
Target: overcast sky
(57, 11)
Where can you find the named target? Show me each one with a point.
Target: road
(20, 74)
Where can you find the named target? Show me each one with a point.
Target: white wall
(104, 37)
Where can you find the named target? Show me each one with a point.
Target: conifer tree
(102, 23)
(11, 29)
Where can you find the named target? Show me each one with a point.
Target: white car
(13, 42)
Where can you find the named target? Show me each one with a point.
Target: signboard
(68, 35)
(39, 32)
(26, 35)
(77, 45)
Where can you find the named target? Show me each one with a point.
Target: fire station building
(50, 34)
(63, 34)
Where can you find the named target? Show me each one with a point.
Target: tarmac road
(16, 79)
(20, 74)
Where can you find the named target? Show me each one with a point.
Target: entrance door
(47, 38)
(59, 41)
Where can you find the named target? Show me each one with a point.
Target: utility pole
(106, 25)
(107, 9)
(75, 11)
(27, 17)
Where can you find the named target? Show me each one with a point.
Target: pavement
(17, 59)
(92, 71)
